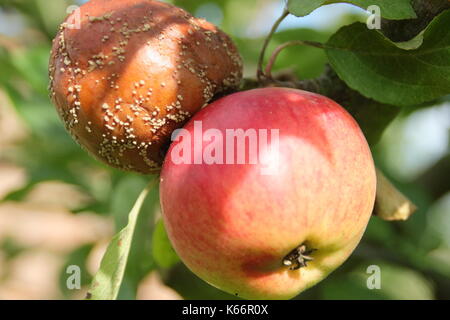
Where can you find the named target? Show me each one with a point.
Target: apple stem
(273, 58)
(299, 257)
(260, 73)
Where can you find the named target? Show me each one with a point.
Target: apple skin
(233, 226)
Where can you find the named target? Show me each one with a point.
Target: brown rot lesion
(299, 257)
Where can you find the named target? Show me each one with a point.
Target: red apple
(272, 228)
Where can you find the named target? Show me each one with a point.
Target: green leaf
(412, 44)
(163, 252)
(392, 10)
(140, 260)
(107, 281)
(379, 69)
(301, 8)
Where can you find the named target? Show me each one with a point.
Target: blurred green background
(59, 207)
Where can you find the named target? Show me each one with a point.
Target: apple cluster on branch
(134, 82)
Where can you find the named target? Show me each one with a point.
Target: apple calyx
(299, 257)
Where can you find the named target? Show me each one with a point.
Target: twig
(260, 73)
(391, 204)
(277, 51)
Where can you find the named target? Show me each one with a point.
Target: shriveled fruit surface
(268, 234)
(133, 72)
